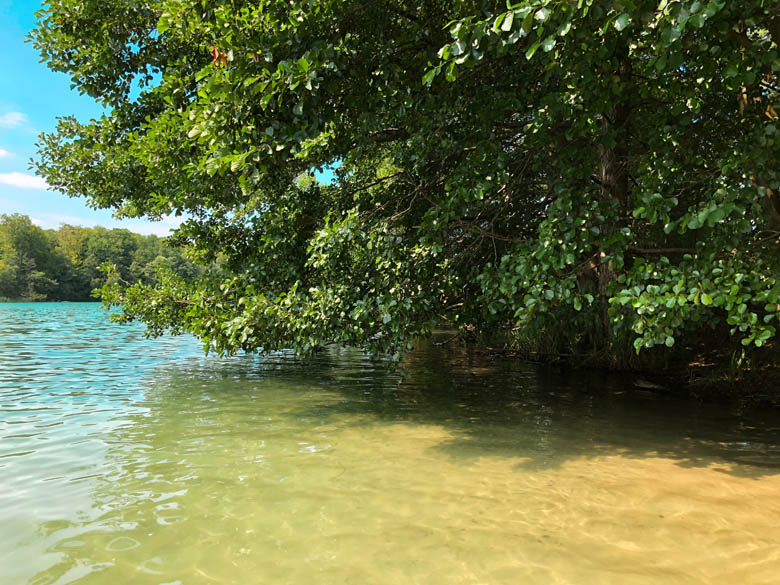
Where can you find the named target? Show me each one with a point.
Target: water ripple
(137, 462)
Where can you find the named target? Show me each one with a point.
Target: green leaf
(716, 216)
(528, 22)
(564, 29)
(532, 49)
(164, 23)
(507, 24)
(706, 299)
(498, 21)
(622, 21)
(542, 14)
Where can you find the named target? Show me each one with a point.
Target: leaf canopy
(606, 169)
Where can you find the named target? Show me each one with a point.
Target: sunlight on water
(128, 461)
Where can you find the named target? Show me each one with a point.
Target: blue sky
(31, 99)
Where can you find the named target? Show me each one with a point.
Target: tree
(102, 245)
(27, 261)
(605, 170)
(74, 280)
(37, 264)
(153, 254)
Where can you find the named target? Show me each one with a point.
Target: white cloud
(12, 119)
(38, 222)
(23, 181)
(5, 154)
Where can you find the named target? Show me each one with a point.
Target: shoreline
(694, 372)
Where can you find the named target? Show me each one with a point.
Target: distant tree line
(64, 264)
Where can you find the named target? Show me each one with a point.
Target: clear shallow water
(128, 461)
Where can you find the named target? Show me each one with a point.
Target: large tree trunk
(614, 178)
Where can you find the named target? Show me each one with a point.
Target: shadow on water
(172, 486)
(512, 408)
(507, 408)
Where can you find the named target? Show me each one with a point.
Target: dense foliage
(598, 173)
(64, 265)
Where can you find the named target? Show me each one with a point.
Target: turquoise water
(126, 460)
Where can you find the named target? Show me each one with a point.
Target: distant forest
(63, 265)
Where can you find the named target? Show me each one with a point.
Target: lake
(132, 461)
